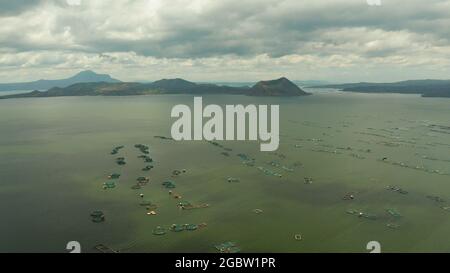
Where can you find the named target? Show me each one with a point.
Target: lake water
(55, 157)
(6, 93)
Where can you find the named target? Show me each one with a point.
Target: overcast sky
(226, 40)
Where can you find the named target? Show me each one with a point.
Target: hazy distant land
(82, 77)
(426, 88)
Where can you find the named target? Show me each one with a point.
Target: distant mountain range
(89, 83)
(280, 87)
(426, 88)
(82, 77)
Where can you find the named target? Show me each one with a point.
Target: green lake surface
(55, 157)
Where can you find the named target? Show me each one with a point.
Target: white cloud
(73, 2)
(226, 40)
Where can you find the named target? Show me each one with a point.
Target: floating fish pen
(177, 196)
(246, 160)
(243, 156)
(142, 183)
(249, 163)
(148, 159)
(314, 140)
(116, 150)
(274, 164)
(327, 151)
(215, 144)
(357, 156)
(269, 172)
(114, 176)
(98, 219)
(183, 204)
(308, 180)
(287, 169)
(339, 148)
(192, 207)
(361, 214)
(105, 249)
(228, 247)
(159, 231)
(433, 158)
(233, 180)
(97, 216)
(136, 187)
(394, 213)
(151, 209)
(413, 167)
(297, 164)
(109, 185)
(97, 213)
(169, 184)
(185, 227)
(397, 189)
(348, 197)
(121, 161)
(147, 168)
(148, 205)
(177, 228)
(191, 227)
(389, 144)
(163, 137)
(436, 199)
(393, 226)
(279, 155)
(143, 148)
(145, 203)
(142, 179)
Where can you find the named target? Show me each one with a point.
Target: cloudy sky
(226, 40)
